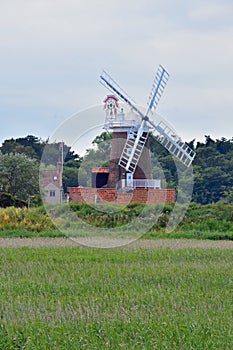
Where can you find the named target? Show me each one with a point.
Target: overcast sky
(53, 51)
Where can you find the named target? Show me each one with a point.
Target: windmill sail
(110, 84)
(158, 86)
(166, 136)
(133, 148)
(173, 143)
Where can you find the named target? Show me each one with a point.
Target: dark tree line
(33, 147)
(212, 166)
(20, 160)
(213, 171)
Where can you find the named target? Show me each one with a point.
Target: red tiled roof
(100, 170)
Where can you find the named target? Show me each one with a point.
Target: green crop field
(131, 298)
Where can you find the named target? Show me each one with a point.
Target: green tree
(19, 175)
(70, 177)
(52, 153)
(104, 136)
(30, 145)
(213, 170)
(34, 147)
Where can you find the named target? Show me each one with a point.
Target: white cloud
(212, 10)
(52, 53)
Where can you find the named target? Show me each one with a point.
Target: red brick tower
(121, 125)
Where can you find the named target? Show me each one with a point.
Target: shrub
(7, 200)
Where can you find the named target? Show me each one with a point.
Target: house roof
(48, 176)
(51, 186)
(100, 170)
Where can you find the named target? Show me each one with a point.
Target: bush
(7, 200)
(23, 218)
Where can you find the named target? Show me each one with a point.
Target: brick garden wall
(108, 195)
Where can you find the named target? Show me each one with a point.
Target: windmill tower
(130, 163)
(123, 127)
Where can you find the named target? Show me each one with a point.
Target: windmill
(130, 157)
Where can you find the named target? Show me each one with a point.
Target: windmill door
(129, 180)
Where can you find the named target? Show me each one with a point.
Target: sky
(53, 52)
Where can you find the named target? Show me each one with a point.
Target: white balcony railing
(142, 183)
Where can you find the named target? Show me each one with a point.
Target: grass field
(132, 298)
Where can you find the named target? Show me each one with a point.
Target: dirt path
(142, 243)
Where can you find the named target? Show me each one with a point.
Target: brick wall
(108, 195)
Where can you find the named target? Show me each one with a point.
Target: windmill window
(52, 193)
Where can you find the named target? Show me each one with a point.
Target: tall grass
(202, 222)
(77, 298)
(23, 221)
